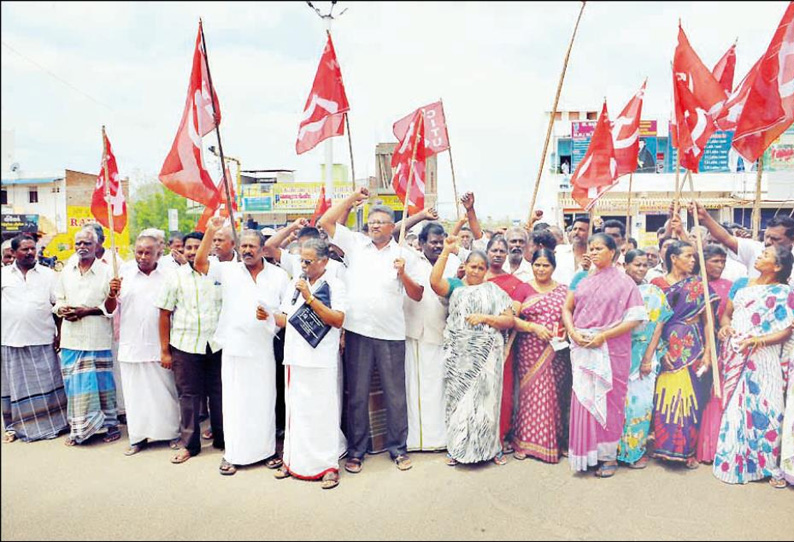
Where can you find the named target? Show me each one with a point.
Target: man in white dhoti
(311, 442)
(248, 370)
(149, 387)
(424, 334)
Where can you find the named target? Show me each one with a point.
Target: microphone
(297, 292)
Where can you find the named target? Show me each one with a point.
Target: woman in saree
(599, 317)
(680, 393)
(517, 290)
(479, 311)
(644, 364)
(538, 430)
(716, 258)
(754, 327)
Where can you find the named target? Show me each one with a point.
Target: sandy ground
(94, 492)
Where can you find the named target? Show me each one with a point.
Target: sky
(67, 68)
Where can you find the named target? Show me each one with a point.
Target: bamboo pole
(108, 204)
(592, 220)
(220, 145)
(757, 202)
(710, 328)
(628, 208)
(407, 204)
(359, 210)
(451, 165)
(551, 119)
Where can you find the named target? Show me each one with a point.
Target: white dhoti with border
(311, 440)
(249, 407)
(152, 402)
(424, 393)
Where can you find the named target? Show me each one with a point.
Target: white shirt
(566, 265)
(167, 262)
(655, 272)
(291, 263)
(748, 252)
(104, 259)
(27, 302)
(139, 320)
(375, 294)
(297, 351)
(74, 289)
(239, 333)
(425, 320)
(524, 271)
(733, 270)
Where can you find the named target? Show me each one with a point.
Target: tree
(150, 209)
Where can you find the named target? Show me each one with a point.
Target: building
(725, 184)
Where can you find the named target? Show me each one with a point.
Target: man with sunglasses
(380, 274)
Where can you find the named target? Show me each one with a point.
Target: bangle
(111, 296)
(309, 302)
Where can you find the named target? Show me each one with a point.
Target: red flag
(99, 205)
(324, 112)
(436, 137)
(597, 172)
(698, 99)
(401, 160)
(626, 134)
(183, 171)
(769, 108)
(723, 70)
(323, 204)
(732, 110)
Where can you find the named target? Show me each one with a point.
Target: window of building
(573, 115)
(592, 115)
(558, 115)
(564, 152)
(34, 194)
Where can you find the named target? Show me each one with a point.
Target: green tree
(150, 209)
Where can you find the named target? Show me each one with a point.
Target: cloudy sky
(69, 67)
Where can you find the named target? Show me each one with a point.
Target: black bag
(307, 323)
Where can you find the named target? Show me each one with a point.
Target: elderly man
(85, 297)
(516, 264)
(33, 398)
(149, 386)
(176, 252)
(291, 263)
(249, 364)
(189, 308)
(424, 330)
(379, 275)
(8, 253)
(223, 246)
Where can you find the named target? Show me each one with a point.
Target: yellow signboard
(62, 245)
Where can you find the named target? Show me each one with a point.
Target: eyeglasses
(379, 223)
(307, 263)
(83, 243)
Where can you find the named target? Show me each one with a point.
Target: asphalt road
(94, 492)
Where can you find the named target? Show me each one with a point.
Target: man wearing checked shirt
(189, 309)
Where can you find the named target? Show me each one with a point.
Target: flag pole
(220, 145)
(757, 202)
(551, 118)
(451, 166)
(407, 205)
(710, 329)
(628, 207)
(108, 204)
(352, 171)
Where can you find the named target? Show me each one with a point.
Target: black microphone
(297, 292)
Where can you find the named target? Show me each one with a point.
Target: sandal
(174, 444)
(9, 436)
(281, 473)
(353, 465)
(135, 448)
(519, 455)
(500, 459)
(606, 470)
(226, 468)
(641, 463)
(274, 462)
(181, 457)
(68, 441)
(207, 435)
(113, 435)
(451, 461)
(778, 483)
(692, 463)
(330, 480)
(403, 462)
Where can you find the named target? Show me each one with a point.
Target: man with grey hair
(85, 297)
(8, 254)
(223, 245)
(516, 264)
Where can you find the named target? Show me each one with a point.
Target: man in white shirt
(176, 252)
(516, 264)
(779, 232)
(424, 335)
(33, 396)
(291, 263)
(85, 297)
(249, 363)
(380, 273)
(8, 253)
(189, 306)
(150, 388)
(223, 245)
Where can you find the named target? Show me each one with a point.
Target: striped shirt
(195, 302)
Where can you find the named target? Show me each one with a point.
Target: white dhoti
(153, 411)
(121, 406)
(340, 396)
(249, 407)
(311, 440)
(424, 394)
